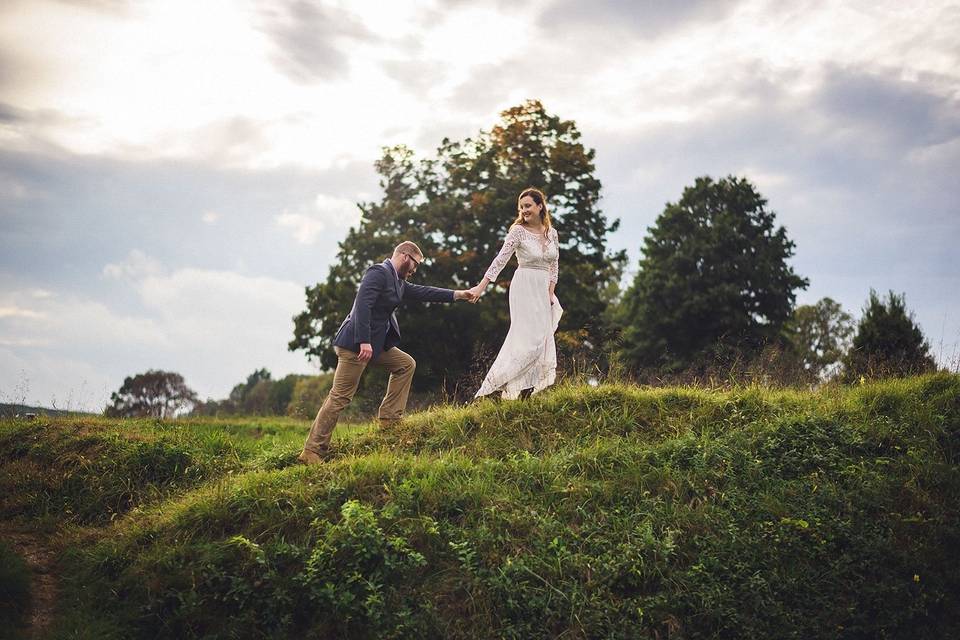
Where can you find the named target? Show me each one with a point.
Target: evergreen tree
(713, 281)
(458, 206)
(888, 341)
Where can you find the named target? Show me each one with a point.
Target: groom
(370, 334)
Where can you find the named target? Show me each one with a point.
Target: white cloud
(330, 214)
(944, 154)
(211, 326)
(73, 323)
(104, 72)
(136, 266)
(223, 325)
(223, 99)
(706, 69)
(210, 217)
(305, 228)
(21, 342)
(13, 311)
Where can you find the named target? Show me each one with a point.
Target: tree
(458, 206)
(256, 402)
(819, 337)
(309, 392)
(281, 393)
(713, 281)
(158, 394)
(249, 397)
(888, 341)
(260, 394)
(240, 392)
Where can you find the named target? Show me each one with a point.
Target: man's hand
(366, 352)
(470, 295)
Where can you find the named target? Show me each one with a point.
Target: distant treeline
(261, 394)
(22, 410)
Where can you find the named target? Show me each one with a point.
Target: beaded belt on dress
(534, 266)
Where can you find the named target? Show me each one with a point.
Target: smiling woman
(527, 362)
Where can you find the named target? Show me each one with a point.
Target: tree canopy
(819, 335)
(713, 280)
(457, 206)
(157, 394)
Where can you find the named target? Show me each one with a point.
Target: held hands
(477, 291)
(465, 294)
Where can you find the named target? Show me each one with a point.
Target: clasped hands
(473, 295)
(466, 294)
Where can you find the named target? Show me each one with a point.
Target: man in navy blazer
(370, 334)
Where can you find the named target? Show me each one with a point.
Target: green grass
(14, 592)
(614, 512)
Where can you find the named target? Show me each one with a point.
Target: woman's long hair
(539, 199)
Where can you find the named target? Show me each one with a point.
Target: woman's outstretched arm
(509, 246)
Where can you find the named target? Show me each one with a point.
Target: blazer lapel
(397, 282)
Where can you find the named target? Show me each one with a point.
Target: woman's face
(529, 209)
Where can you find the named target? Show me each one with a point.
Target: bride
(527, 361)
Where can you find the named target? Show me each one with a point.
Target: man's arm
(420, 293)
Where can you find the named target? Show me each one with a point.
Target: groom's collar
(389, 263)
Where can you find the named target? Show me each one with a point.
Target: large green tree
(819, 336)
(888, 341)
(713, 281)
(458, 206)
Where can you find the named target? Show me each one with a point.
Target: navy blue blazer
(372, 318)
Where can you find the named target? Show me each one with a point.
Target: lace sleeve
(555, 263)
(509, 246)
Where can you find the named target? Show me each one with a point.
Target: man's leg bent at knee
(401, 367)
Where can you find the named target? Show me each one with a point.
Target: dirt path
(33, 548)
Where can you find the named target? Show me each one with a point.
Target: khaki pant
(345, 381)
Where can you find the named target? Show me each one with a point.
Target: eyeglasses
(415, 261)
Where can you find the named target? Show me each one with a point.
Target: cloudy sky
(174, 173)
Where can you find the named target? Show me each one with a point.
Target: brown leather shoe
(309, 457)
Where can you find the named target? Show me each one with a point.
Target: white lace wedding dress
(528, 357)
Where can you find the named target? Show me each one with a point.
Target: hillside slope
(614, 512)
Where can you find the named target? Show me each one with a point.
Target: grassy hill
(613, 512)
